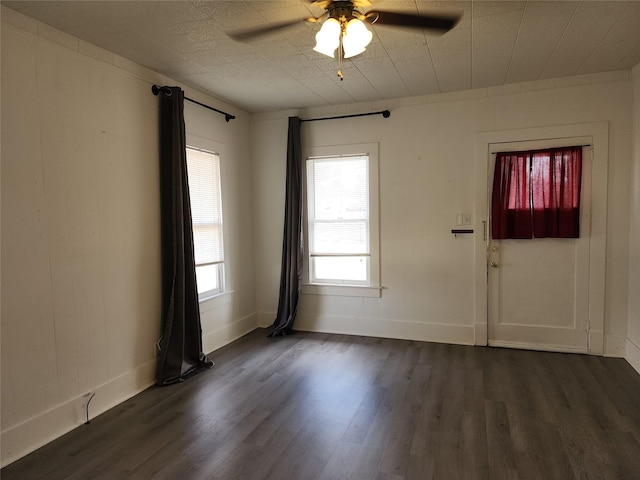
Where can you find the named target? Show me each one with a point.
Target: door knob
(494, 264)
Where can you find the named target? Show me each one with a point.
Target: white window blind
(206, 205)
(206, 213)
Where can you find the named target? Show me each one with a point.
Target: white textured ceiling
(496, 43)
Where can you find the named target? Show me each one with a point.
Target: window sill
(342, 290)
(214, 301)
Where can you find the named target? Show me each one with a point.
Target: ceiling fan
(343, 26)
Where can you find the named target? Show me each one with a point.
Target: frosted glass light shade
(356, 38)
(328, 38)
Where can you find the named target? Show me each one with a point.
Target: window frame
(205, 145)
(371, 288)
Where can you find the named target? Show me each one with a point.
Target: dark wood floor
(320, 406)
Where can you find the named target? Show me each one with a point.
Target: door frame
(599, 134)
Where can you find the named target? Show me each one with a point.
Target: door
(538, 289)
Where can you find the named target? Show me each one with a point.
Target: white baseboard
(265, 319)
(401, 329)
(371, 327)
(633, 354)
(614, 346)
(228, 333)
(22, 439)
(596, 342)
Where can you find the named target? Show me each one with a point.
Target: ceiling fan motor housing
(341, 9)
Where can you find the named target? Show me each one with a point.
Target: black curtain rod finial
(167, 91)
(156, 90)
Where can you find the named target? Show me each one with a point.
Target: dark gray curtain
(181, 341)
(292, 242)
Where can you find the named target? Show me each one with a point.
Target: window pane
(341, 188)
(343, 269)
(204, 185)
(207, 243)
(208, 278)
(343, 237)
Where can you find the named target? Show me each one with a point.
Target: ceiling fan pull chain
(340, 50)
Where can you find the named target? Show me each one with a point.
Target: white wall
(633, 338)
(80, 230)
(427, 175)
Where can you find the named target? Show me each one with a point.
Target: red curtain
(511, 202)
(536, 194)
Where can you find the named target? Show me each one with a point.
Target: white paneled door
(538, 289)
(539, 294)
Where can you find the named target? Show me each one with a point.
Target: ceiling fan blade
(443, 23)
(253, 33)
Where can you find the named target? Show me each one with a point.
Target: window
(206, 211)
(342, 225)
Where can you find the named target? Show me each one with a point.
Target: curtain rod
(227, 116)
(540, 149)
(384, 113)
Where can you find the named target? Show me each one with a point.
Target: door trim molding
(599, 133)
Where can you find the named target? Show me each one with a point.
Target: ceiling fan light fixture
(328, 38)
(356, 38)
